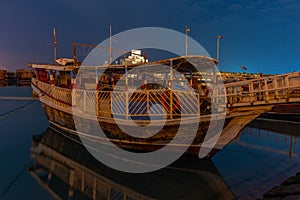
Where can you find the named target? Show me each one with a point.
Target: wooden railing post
(231, 95)
(147, 100)
(287, 85)
(199, 111)
(228, 95)
(126, 94)
(235, 94)
(240, 96)
(171, 104)
(266, 90)
(127, 105)
(171, 88)
(276, 88)
(97, 102)
(73, 97)
(283, 87)
(260, 96)
(84, 100)
(251, 93)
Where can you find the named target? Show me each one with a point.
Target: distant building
(135, 58)
(3, 76)
(24, 76)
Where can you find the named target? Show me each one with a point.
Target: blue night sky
(261, 35)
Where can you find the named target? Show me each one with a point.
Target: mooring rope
(6, 114)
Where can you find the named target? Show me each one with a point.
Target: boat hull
(192, 132)
(65, 121)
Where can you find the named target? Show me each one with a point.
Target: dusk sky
(263, 36)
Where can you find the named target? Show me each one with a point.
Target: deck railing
(158, 104)
(60, 95)
(155, 103)
(140, 104)
(265, 90)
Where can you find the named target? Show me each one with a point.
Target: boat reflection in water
(66, 169)
(284, 132)
(264, 155)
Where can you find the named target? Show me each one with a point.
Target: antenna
(187, 30)
(54, 45)
(218, 46)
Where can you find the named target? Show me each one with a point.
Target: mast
(54, 45)
(74, 53)
(110, 45)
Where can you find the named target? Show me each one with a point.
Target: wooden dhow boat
(135, 97)
(136, 104)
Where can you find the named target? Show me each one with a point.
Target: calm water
(260, 158)
(16, 130)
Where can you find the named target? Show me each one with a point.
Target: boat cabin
(58, 75)
(135, 72)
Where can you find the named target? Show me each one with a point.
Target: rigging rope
(42, 52)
